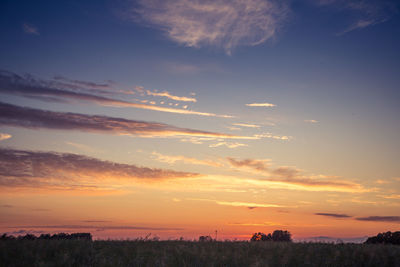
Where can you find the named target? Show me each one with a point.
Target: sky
(180, 118)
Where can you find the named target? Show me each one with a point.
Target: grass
(186, 253)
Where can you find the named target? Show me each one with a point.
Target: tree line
(59, 236)
(277, 235)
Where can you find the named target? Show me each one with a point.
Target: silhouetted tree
(205, 238)
(385, 238)
(261, 237)
(277, 235)
(282, 236)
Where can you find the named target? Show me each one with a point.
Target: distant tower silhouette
(216, 234)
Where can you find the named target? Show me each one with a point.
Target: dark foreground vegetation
(82, 252)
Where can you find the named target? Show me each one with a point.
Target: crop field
(188, 253)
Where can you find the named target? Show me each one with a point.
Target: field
(186, 253)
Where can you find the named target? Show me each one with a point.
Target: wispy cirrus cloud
(170, 96)
(81, 147)
(360, 24)
(333, 215)
(247, 125)
(261, 105)
(311, 121)
(201, 140)
(248, 204)
(219, 23)
(279, 177)
(28, 86)
(23, 168)
(293, 177)
(85, 84)
(240, 204)
(233, 128)
(187, 160)
(255, 224)
(30, 29)
(228, 144)
(259, 165)
(252, 183)
(395, 219)
(273, 136)
(11, 115)
(30, 118)
(365, 13)
(5, 136)
(392, 196)
(96, 221)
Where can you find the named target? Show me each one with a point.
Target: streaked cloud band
(51, 91)
(5, 136)
(24, 168)
(11, 115)
(261, 105)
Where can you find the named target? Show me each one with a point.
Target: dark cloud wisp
(395, 219)
(68, 90)
(22, 168)
(60, 89)
(11, 115)
(250, 163)
(84, 84)
(334, 215)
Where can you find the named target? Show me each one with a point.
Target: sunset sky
(181, 117)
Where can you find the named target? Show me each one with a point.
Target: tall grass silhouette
(147, 252)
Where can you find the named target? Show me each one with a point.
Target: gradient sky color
(181, 117)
